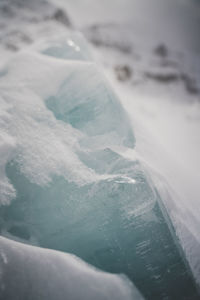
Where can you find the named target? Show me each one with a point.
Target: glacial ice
(75, 190)
(33, 273)
(72, 47)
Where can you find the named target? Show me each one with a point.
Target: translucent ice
(75, 190)
(66, 47)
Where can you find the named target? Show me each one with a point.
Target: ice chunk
(76, 192)
(115, 224)
(92, 108)
(33, 273)
(40, 136)
(69, 46)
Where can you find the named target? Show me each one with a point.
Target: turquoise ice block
(116, 222)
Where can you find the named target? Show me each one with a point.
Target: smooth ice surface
(33, 273)
(111, 224)
(75, 189)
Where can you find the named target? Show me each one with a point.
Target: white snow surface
(49, 274)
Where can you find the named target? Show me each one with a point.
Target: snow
(33, 273)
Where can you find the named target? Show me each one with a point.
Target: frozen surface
(33, 273)
(72, 177)
(158, 43)
(76, 191)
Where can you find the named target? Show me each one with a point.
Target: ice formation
(66, 137)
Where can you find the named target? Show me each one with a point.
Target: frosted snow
(44, 145)
(33, 273)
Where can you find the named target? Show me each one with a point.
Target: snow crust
(28, 272)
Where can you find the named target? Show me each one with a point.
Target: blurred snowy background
(150, 52)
